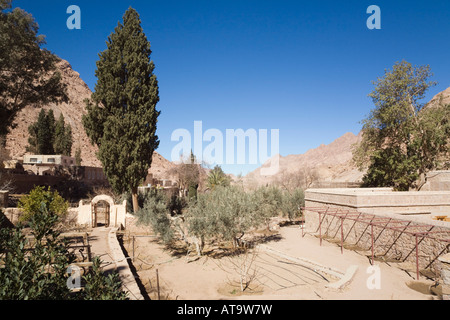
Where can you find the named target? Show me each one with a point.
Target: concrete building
(43, 164)
(61, 160)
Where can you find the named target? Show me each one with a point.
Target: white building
(60, 160)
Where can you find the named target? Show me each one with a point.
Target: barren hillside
(325, 163)
(73, 112)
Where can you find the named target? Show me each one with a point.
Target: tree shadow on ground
(223, 249)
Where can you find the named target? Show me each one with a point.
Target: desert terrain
(274, 273)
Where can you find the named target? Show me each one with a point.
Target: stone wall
(445, 276)
(386, 206)
(437, 181)
(381, 200)
(117, 212)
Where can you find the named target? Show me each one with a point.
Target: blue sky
(303, 67)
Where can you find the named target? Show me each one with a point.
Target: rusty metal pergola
(414, 229)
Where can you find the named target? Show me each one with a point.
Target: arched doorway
(101, 214)
(101, 211)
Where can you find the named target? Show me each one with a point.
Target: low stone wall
(381, 203)
(123, 268)
(379, 200)
(117, 212)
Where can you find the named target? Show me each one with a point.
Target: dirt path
(98, 240)
(275, 278)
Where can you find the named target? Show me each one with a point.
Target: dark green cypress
(122, 115)
(63, 137)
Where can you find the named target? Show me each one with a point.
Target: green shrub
(291, 203)
(155, 213)
(100, 286)
(37, 269)
(40, 199)
(176, 205)
(268, 202)
(225, 213)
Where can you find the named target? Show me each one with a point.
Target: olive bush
(156, 213)
(291, 203)
(226, 214)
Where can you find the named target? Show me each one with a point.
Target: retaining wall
(417, 209)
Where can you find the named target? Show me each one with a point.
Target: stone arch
(103, 197)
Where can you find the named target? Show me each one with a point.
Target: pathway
(104, 244)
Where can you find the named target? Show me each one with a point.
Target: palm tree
(217, 177)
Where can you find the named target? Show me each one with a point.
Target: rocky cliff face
(72, 111)
(326, 163)
(441, 98)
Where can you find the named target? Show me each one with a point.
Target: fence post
(133, 248)
(157, 284)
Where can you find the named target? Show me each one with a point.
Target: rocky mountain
(442, 97)
(73, 111)
(326, 163)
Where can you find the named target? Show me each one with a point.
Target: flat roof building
(60, 160)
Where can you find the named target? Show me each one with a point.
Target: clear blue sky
(303, 67)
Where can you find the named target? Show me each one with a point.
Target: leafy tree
(41, 134)
(268, 201)
(155, 213)
(225, 213)
(33, 135)
(40, 198)
(47, 136)
(36, 270)
(217, 177)
(402, 140)
(122, 115)
(291, 203)
(192, 177)
(271, 201)
(45, 133)
(28, 74)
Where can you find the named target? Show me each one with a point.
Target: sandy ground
(215, 276)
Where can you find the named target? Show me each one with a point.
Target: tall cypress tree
(122, 115)
(42, 134)
(63, 137)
